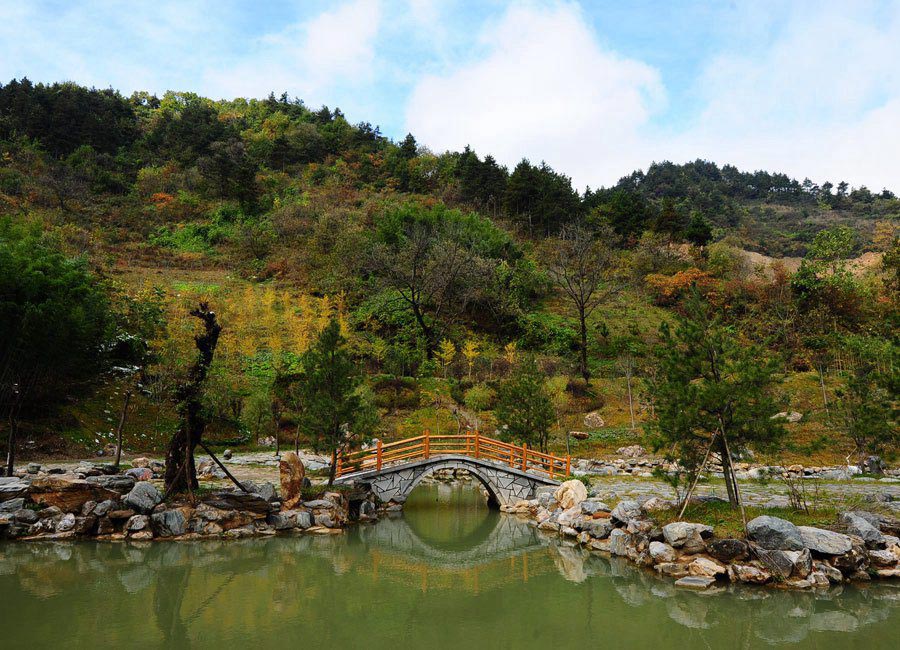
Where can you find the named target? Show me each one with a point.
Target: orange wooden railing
(467, 444)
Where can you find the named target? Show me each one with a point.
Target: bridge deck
(469, 445)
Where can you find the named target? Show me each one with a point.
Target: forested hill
(97, 143)
(449, 273)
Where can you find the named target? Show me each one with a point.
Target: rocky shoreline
(776, 552)
(99, 504)
(102, 505)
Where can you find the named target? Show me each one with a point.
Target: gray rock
(281, 520)
(169, 523)
(625, 511)
(324, 520)
(304, 519)
(366, 509)
(802, 561)
(33, 468)
(12, 505)
(104, 507)
(778, 563)
(227, 454)
(618, 542)
(119, 484)
(51, 512)
(773, 533)
(66, 524)
(661, 552)
(857, 525)
(319, 503)
(679, 534)
(590, 506)
(825, 542)
(25, 516)
(264, 490)
(137, 522)
(139, 473)
(727, 550)
(599, 528)
(695, 582)
(143, 497)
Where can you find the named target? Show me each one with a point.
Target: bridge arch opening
(493, 502)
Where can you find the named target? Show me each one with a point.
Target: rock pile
(776, 551)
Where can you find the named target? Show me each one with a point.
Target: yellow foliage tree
(470, 351)
(446, 353)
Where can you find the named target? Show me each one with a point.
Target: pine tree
(711, 393)
(334, 412)
(524, 409)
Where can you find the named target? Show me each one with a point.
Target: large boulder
(773, 533)
(625, 511)
(139, 473)
(728, 550)
(66, 493)
(291, 474)
(777, 562)
(143, 497)
(824, 542)
(570, 494)
(592, 506)
(860, 526)
(599, 528)
(618, 542)
(252, 503)
(687, 536)
(593, 420)
(169, 523)
(264, 490)
(661, 552)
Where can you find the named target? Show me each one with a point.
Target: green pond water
(449, 573)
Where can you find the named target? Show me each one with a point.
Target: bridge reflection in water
(438, 576)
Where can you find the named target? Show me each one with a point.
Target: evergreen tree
(334, 412)
(711, 393)
(524, 409)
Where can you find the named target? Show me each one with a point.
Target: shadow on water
(448, 572)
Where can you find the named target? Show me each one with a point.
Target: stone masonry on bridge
(505, 485)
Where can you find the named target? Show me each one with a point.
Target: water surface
(448, 574)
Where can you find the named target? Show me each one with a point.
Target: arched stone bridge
(505, 485)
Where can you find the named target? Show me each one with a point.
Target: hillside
(438, 266)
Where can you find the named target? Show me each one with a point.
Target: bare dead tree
(181, 474)
(582, 267)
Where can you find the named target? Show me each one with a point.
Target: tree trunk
(120, 428)
(11, 445)
(181, 474)
(583, 357)
(727, 474)
(333, 469)
(427, 332)
(824, 393)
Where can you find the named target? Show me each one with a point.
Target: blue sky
(594, 88)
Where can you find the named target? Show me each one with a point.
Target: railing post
(524, 456)
(477, 444)
(568, 465)
(378, 455)
(427, 444)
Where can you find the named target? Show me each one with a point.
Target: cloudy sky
(596, 89)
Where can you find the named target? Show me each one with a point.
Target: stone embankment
(776, 552)
(635, 461)
(98, 503)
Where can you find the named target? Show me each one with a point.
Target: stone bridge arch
(505, 485)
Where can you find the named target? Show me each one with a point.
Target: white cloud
(822, 99)
(815, 93)
(545, 90)
(306, 58)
